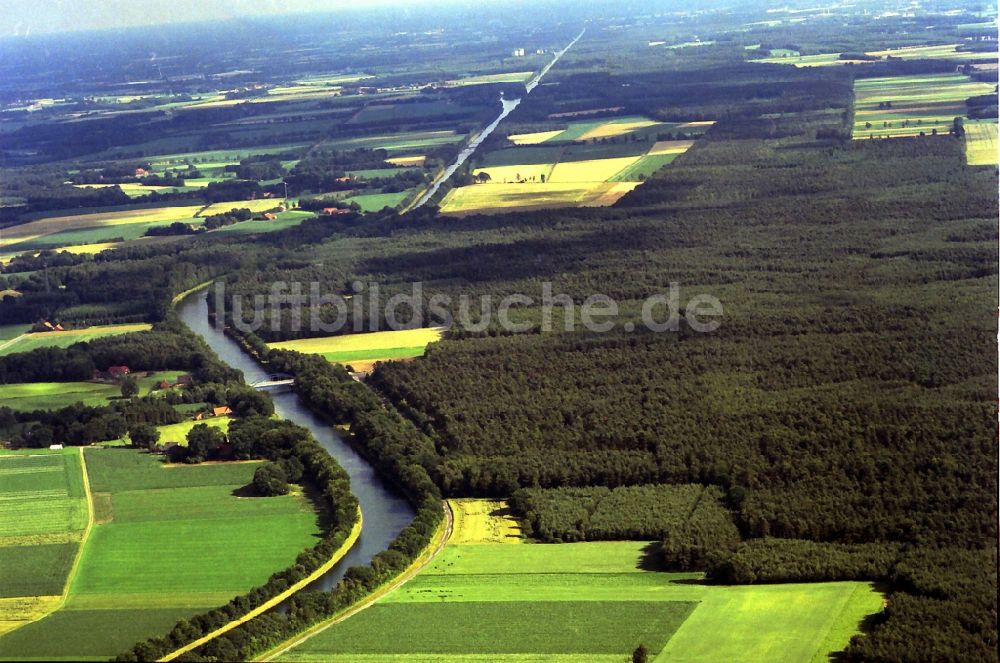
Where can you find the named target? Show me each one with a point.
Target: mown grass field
(43, 513)
(589, 602)
(366, 348)
(981, 142)
(483, 521)
(29, 396)
(921, 103)
(64, 339)
(169, 542)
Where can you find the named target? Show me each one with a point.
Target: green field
(64, 339)
(163, 548)
(373, 202)
(398, 142)
(372, 173)
(589, 602)
(26, 397)
(981, 142)
(921, 103)
(288, 219)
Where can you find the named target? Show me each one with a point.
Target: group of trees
(678, 513)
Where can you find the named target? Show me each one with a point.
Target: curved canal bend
(385, 511)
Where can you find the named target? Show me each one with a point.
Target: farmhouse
(118, 371)
(221, 411)
(331, 211)
(268, 216)
(46, 326)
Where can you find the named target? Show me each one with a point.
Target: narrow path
(86, 531)
(11, 341)
(418, 565)
(274, 602)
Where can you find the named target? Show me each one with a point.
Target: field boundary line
(434, 547)
(273, 602)
(71, 576)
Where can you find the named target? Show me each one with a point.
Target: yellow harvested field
(21, 610)
(500, 198)
(370, 341)
(670, 147)
(89, 248)
(596, 170)
(533, 138)
(981, 142)
(518, 173)
(616, 129)
(704, 124)
(483, 521)
(54, 224)
(259, 205)
(611, 193)
(128, 187)
(408, 161)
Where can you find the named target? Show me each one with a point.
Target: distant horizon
(27, 18)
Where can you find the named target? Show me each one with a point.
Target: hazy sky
(41, 16)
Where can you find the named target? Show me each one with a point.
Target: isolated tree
(270, 480)
(640, 655)
(144, 436)
(130, 387)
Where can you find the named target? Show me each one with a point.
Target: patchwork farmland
(148, 515)
(912, 105)
(481, 600)
(589, 163)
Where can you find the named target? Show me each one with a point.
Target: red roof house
(118, 371)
